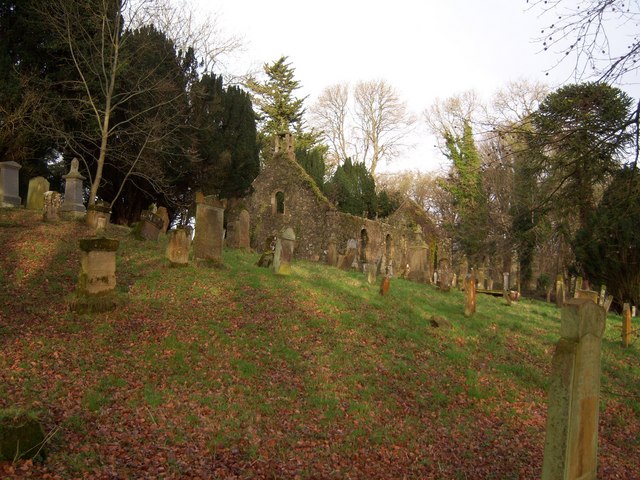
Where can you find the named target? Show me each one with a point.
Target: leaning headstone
(571, 445)
(164, 215)
(209, 238)
(98, 215)
(283, 255)
(150, 225)
(559, 291)
(21, 435)
(51, 207)
(626, 325)
(588, 294)
(9, 184)
(602, 297)
(35, 195)
(97, 280)
(469, 295)
(607, 303)
(350, 255)
(73, 203)
(179, 243)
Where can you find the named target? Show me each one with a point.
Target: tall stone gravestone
(283, 255)
(560, 290)
(332, 252)
(52, 201)
(571, 444)
(419, 258)
(150, 225)
(178, 246)
(238, 233)
(9, 184)
(164, 215)
(445, 275)
(35, 195)
(209, 237)
(73, 203)
(469, 295)
(346, 261)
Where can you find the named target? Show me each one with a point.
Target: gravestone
(578, 287)
(571, 444)
(164, 215)
(419, 258)
(209, 238)
(98, 215)
(607, 303)
(283, 255)
(150, 225)
(51, 207)
(73, 202)
(97, 280)
(469, 295)
(384, 285)
(179, 243)
(9, 184)
(238, 234)
(444, 270)
(559, 291)
(371, 274)
(587, 294)
(626, 325)
(35, 195)
(603, 295)
(505, 281)
(347, 259)
(332, 252)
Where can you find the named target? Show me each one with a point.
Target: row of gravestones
(39, 197)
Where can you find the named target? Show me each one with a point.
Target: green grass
(285, 375)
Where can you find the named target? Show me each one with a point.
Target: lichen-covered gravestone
(332, 252)
(21, 435)
(97, 280)
(209, 237)
(419, 258)
(73, 203)
(283, 255)
(164, 215)
(52, 201)
(469, 295)
(571, 444)
(9, 184)
(98, 215)
(445, 275)
(347, 259)
(35, 195)
(178, 246)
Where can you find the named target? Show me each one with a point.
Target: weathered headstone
(52, 201)
(419, 258)
(505, 281)
(35, 195)
(283, 255)
(469, 295)
(572, 287)
(350, 255)
(150, 225)
(97, 280)
(371, 274)
(571, 444)
(266, 259)
(444, 270)
(587, 294)
(209, 238)
(602, 297)
(164, 215)
(559, 290)
(73, 202)
(243, 230)
(9, 184)
(607, 303)
(489, 283)
(179, 243)
(98, 215)
(384, 285)
(626, 325)
(332, 252)
(578, 287)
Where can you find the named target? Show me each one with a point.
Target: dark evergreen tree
(353, 190)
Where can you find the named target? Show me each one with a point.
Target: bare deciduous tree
(369, 127)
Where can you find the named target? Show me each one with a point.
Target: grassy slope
(237, 373)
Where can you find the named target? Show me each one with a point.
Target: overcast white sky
(425, 49)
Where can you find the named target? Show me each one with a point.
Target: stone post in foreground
(571, 445)
(469, 295)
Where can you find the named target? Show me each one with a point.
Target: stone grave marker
(243, 228)
(73, 202)
(444, 269)
(588, 294)
(469, 295)
(164, 215)
(52, 201)
(266, 259)
(98, 215)
(350, 255)
(419, 258)
(559, 290)
(35, 195)
(607, 303)
(505, 281)
(571, 444)
(179, 243)
(9, 196)
(150, 225)
(283, 255)
(97, 280)
(578, 287)
(384, 285)
(332, 252)
(209, 237)
(371, 274)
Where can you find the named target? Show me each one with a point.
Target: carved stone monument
(52, 201)
(209, 237)
(97, 280)
(73, 203)
(35, 195)
(283, 255)
(178, 246)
